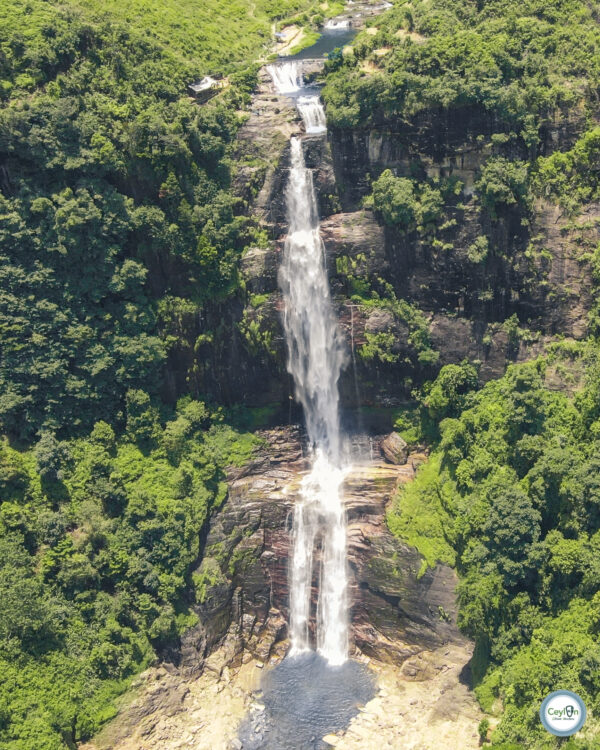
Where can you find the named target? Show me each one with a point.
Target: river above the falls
(330, 39)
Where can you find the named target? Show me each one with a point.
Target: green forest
(117, 220)
(510, 496)
(510, 493)
(120, 227)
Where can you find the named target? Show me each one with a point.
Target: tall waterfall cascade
(315, 359)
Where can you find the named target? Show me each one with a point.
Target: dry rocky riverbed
(423, 705)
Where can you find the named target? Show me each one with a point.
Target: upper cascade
(287, 76)
(287, 79)
(338, 23)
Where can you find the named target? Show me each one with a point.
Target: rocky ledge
(396, 611)
(425, 705)
(402, 624)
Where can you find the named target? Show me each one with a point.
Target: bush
(394, 198)
(502, 183)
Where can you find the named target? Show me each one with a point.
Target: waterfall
(313, 114)
(316, 353)
(340, 23)
(315, 360)
(287, 77)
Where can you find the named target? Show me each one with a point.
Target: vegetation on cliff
(117, 220)
(511, 495)
(521, 61)
(475, 118)
(117, 224)
(99, 538)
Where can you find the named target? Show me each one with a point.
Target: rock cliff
(403, 623)
(396, 609)
(535, 265)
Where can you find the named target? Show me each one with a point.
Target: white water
(342, 23)
(316, 357)
(316, 354)
(287, 77)
(313, 114)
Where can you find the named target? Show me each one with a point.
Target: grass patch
(208, 32)
(309, 37)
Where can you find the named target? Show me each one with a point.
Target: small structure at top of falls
(207, 88)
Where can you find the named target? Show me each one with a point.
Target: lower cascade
(316, 357)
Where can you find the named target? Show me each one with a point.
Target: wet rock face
(244, 563)
(394, 613)
(532, 266)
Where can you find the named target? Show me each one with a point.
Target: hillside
(116, 218)
(142, 344)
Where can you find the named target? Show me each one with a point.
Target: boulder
(395, 449)
(259, 267)
(380, 321)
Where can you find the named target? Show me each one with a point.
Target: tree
(142, 418)
(502, 183)
(51, 456)
(446, 396)
(395, 199)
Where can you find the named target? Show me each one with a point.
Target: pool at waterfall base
(302, 700)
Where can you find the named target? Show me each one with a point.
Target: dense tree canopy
(98, 540)
(116, 218)
(116, 211)
(520, 61)
(512, 496)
